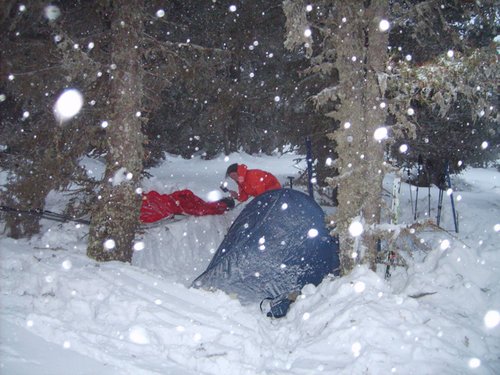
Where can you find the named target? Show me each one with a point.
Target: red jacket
(253, 182)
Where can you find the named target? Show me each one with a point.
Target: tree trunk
(361, 55)
(115, 215)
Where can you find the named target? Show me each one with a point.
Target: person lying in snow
(156, 206)
(251, 182)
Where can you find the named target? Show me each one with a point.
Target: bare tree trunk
(361, 55)
(115, 216)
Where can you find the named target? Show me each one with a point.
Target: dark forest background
(218, 77)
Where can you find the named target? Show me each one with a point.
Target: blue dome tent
(278, 244)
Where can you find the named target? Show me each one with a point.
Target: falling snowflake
(445, 244)
(384, 25)
(312, 233)
(492, 319)
(138, 335)
(356, 349)
(52, 12)
(380, 133)
(120, 176)
(474, 362)
(138, 246)
(355, 229)
(359, 286)
(109, 244)
(262, 242)
(68, 104)
(214, 195)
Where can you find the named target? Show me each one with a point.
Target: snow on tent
(278, 244)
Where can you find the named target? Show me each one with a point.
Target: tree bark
(361, 55)
(115, 215)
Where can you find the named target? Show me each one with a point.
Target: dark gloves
(229, 202)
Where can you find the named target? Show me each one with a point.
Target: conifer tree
(355, 39)
(39, 59)
(439, 65)
(116, 211)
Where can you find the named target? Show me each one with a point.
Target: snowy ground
(62, 313)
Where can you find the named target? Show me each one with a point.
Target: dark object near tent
(278, 244)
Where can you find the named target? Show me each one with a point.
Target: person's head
(232, 171)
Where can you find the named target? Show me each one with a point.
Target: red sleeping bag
(156, 206)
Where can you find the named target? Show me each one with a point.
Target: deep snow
(62, 313)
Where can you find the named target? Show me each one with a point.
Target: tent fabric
(156, 206)
(278, 244)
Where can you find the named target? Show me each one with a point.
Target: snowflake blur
(356, 229)
(68, 105)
